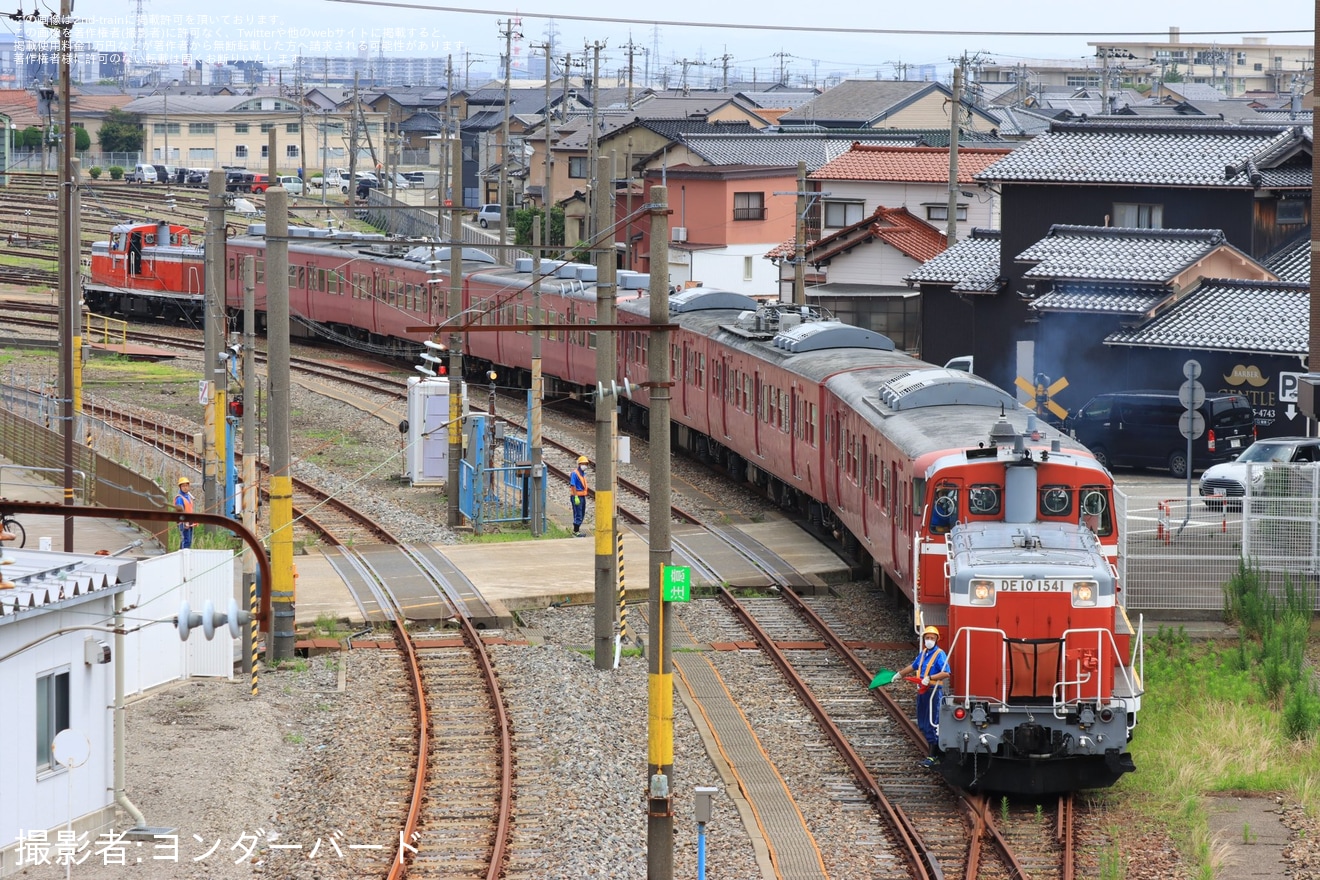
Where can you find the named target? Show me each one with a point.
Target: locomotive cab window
(944, 509)
(1096, 510)
(984, 499)
(1056, 501)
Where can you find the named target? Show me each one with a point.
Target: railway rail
(941, 831)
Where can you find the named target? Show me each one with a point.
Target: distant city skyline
(1034, 30)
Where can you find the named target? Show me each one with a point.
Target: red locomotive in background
(1000, 530)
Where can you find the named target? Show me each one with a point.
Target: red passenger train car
(997, 528)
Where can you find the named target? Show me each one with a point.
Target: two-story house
(858, 272)
(870, 176)
(723, 219)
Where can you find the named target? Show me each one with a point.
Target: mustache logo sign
(1248, 375)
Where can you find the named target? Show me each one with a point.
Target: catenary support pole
(213, 335)
(537, 506)
(250, 493)
(453, 317)
(75, 300)
(68, 265)
(277, 366)
(606, 370)
(660, 688)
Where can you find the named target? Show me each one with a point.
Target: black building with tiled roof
(1247, 185)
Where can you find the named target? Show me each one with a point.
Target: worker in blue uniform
(932, 666)
(577, 490)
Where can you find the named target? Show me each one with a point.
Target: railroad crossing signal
(676, 583)
(1040, 394)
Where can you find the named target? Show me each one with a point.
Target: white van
(142, 173)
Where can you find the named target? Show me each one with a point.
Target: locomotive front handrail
(1102, 635)
(967, 663)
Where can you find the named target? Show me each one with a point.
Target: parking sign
(1288, 383)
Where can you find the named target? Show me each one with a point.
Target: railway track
(461, 792)
(320, 512)
(941, 831)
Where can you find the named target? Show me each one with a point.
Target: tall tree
(120, 132)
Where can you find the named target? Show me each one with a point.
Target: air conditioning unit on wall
(678, 233)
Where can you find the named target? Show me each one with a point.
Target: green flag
(883, 677)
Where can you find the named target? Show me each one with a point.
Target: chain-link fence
(1178, 552)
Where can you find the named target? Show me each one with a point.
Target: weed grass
(1209, 724)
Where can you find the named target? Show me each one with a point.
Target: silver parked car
(1227, 483)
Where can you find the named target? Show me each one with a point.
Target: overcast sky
(249, 28)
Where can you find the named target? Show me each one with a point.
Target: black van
(1140, 429)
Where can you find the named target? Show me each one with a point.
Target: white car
(1225, 484)
(489, 214)
(293, 183)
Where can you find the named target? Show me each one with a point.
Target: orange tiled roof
(910, 164)
(897, 227)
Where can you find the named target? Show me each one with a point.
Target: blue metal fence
(500, 490)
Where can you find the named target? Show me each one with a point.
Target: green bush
(94, 172)
(523, 218)
(116, 172)
(1273, 636)
(1301, 712)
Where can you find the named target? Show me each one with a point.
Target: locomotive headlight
(1083, 593)
(983, 592)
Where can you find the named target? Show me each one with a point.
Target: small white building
(55, 674)
(57, 671)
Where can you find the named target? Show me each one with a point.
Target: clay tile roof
(912, 164)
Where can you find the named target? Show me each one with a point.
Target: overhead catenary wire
(814, 29)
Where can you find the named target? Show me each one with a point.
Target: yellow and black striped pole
(252, 631)
(623, 595)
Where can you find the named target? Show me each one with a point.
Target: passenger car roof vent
(819, 335)
(940, 387)
(699, 299)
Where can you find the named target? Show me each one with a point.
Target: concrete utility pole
(277, 368)
(352, 156)
(593, 143)
(800, 240)
(213, 334)
(302, 128)
(724, 63)
(71, 311)
(548, 163)
(537, 507)
(631, 48)
(607, 366)
(250, 488)
(444, 130)
(453, 317)
(510, 32)
(955, 117)
(660, 665)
